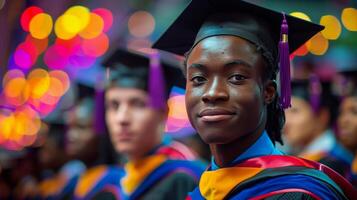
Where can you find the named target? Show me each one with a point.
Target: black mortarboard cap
(133, 69)
(318, 93)
(261, 26)
(265, 28)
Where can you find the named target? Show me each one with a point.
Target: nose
(122, 115)
(216, 91)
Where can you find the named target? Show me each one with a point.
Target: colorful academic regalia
(61, 186)
(261, 172)
(97, 179)
(326, 150)
(164, 174)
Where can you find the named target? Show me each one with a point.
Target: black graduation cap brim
(180, 36)
(132, 59)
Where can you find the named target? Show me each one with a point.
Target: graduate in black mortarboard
(136, 110)
(347, 120)
(234, 50)
(309, 124)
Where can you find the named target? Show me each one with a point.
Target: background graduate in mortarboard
(309, 130)
(347, 119)
(136, 109)
(233, 50)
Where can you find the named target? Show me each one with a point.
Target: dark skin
(226, 95)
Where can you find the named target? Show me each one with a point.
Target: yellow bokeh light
(39, 82)
(41, 26)
(332, 27)
(80, 12)
(349, 18)
(317, 45)
(7, 124)
(301, 15)
(141, 24)
(71, 23)
(61, 31)
(94, 28)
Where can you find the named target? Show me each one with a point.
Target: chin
(213, 137)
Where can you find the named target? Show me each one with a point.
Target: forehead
(122, 94)
(223, 49)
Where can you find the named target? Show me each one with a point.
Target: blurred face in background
(300, 123)
(81, 138)
(347, 123)
(135, 128)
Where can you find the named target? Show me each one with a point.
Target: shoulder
(95, 178)
(287, 185)
(174, 186)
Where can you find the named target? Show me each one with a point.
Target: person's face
(225, 94)
(134, 127)
(300, 122)
(347, 123)
(80, 137)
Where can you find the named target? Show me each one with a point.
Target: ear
(269, 91)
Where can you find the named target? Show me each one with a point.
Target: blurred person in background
(136, 111)
(308, 130)
(347, 122)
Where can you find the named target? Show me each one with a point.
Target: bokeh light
(301, 15)
(25, 55)
(332, 27)
(41, 26)
(62, 77)
(80, 15)
(38, 81)
(97, 46)
(56, 57)
(177, 124)
(349, 18)
(94, 28)
(27, 15)
(81, 60)
(141, 24)
(61, 27)
(40, 44)
(107, 17)
(318, 44)
(19, 128)
(12, 74)
(16, 91)
(69, 46)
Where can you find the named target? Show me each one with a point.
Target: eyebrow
(229, 64)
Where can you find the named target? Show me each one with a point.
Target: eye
(198, 80)
(112, 105)
(138, 103)
(236, 78)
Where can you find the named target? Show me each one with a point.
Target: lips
(215, 114)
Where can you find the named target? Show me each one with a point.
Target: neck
(224, 154)
(136, 155)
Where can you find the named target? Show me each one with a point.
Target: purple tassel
(156, 83)
(315, 93)
(99, 118)
(285, 87)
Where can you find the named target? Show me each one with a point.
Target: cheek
(146, 122)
